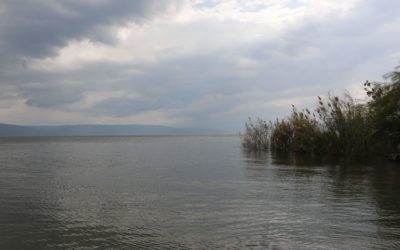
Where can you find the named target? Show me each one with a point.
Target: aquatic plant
(256, 134)
(343, 125)
(338, 125)
(298, 133)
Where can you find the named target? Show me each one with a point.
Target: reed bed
(337, 125)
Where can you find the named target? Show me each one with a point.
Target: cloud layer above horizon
(186, 63)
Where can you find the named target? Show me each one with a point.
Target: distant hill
(97, 130)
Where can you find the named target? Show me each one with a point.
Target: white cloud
(195, 30)
(198, 62)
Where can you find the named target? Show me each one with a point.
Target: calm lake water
(189, 192)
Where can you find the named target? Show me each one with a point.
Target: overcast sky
(194, 63)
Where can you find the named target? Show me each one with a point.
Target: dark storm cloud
(50, 96)
(37, 28)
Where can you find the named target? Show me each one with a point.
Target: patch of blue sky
(207, 4)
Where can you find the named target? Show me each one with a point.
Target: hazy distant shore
(9, 130)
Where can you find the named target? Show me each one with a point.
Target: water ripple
(188, 193)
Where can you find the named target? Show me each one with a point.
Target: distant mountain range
(98, 130)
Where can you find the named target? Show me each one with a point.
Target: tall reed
(256, 135)
(338, 125)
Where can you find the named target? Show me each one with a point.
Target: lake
(189, 192)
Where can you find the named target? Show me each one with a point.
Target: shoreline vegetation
(338, 126)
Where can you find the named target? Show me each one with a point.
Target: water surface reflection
(195, 192)
(351, 202)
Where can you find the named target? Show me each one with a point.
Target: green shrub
(384, 108)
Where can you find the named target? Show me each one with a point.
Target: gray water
(189, 192)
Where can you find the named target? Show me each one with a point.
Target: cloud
(186, 63)
(50, 96)
(39, 28)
